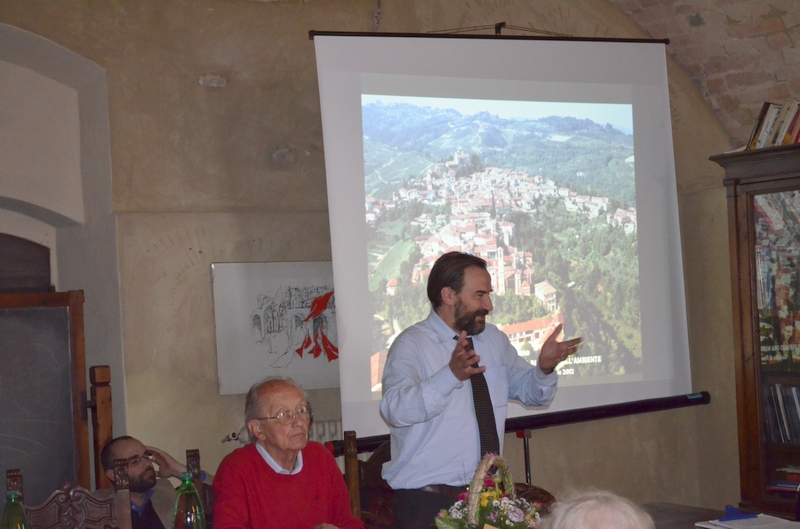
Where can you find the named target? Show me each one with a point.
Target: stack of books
(790, 484)
(777, 124)
(782, 405)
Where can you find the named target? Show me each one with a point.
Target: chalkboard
(43, 429)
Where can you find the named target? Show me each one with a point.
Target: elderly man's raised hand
(168, 466)
(554, 352)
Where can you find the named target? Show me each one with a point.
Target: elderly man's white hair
(252, 401)
(597, 509)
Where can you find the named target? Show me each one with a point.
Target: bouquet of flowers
(490, 502)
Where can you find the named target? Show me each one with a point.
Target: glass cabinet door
(776, 256)
(776, 220)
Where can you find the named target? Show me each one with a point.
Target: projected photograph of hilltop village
(544, 192)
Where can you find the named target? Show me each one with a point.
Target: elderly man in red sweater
(280, 480)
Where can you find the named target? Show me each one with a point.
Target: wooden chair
(102, 419)
(14, 482)
(371, 496)
(74, 507)
(535, 494)
(205, 490)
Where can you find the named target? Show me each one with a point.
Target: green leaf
(447, 523)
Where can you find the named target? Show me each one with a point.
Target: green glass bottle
(13, 513)
(188, 512)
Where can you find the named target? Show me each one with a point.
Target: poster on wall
(275, 319)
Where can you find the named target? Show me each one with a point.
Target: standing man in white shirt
(428, 383)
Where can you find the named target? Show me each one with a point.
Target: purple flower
(515, 514)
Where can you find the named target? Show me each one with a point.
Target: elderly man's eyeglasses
(285, 418)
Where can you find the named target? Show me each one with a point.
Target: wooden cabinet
(763, 190)
(42, 390)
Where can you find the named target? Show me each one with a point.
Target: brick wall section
(740, 53)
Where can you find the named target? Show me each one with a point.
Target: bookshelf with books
(763, 189)
(777, 124)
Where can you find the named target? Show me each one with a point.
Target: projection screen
(550, 158)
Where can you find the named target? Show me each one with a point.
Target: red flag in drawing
(318, 306)
(331, 351)
(319, 343)
(306, 348)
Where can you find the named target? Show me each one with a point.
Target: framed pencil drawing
(275, 319)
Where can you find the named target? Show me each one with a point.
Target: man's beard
(466, 321)
(143, 482)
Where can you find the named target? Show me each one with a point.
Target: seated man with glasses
(281, 479)
(152, 499)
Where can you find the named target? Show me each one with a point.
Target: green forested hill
(402, 140)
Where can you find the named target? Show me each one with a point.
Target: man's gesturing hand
(553, 352)
(463, 361)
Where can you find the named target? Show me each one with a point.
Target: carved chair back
(71, 506)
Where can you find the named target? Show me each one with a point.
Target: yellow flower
(487, 497)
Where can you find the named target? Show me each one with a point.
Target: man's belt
(447, 490)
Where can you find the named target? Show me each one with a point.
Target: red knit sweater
(250, 495)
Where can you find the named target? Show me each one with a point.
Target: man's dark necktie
(484, 412)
